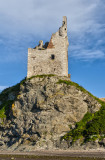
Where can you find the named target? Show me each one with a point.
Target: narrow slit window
(52, 56)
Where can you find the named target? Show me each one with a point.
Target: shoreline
(56, 153)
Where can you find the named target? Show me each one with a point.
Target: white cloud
(89, 55)
(3, 87)
(41, 18)
(38, 16)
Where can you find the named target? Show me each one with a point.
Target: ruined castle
(51, 57)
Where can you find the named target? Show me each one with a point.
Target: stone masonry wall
(51, 58)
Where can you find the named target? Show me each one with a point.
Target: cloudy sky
(24, 22)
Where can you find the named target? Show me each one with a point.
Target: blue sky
(24, 22)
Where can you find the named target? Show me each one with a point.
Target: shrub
(92, 126)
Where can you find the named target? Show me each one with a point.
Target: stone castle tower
(51, 57)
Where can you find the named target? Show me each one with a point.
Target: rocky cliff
(39, 111)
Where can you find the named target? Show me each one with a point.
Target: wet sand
(54, 155)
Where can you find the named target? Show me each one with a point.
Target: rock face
(42, 114)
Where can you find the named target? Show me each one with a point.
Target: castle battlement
(51, 57)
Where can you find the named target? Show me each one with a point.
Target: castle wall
(50, 60)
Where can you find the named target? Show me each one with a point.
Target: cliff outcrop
(39, 111)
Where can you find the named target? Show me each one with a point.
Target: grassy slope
(5, 107)
(92, 126)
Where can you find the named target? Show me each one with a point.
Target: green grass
(5, 107)
(14, 89)
(80, 88)
(92, 126)
(37, 76)
(4, 94)
(2, 113)
(76, 85)
(41, 76)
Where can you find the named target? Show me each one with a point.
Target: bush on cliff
(92, 126)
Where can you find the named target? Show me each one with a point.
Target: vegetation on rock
(79, 88)
(92, 126)
(6, 102)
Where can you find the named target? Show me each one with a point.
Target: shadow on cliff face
(42, 111)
